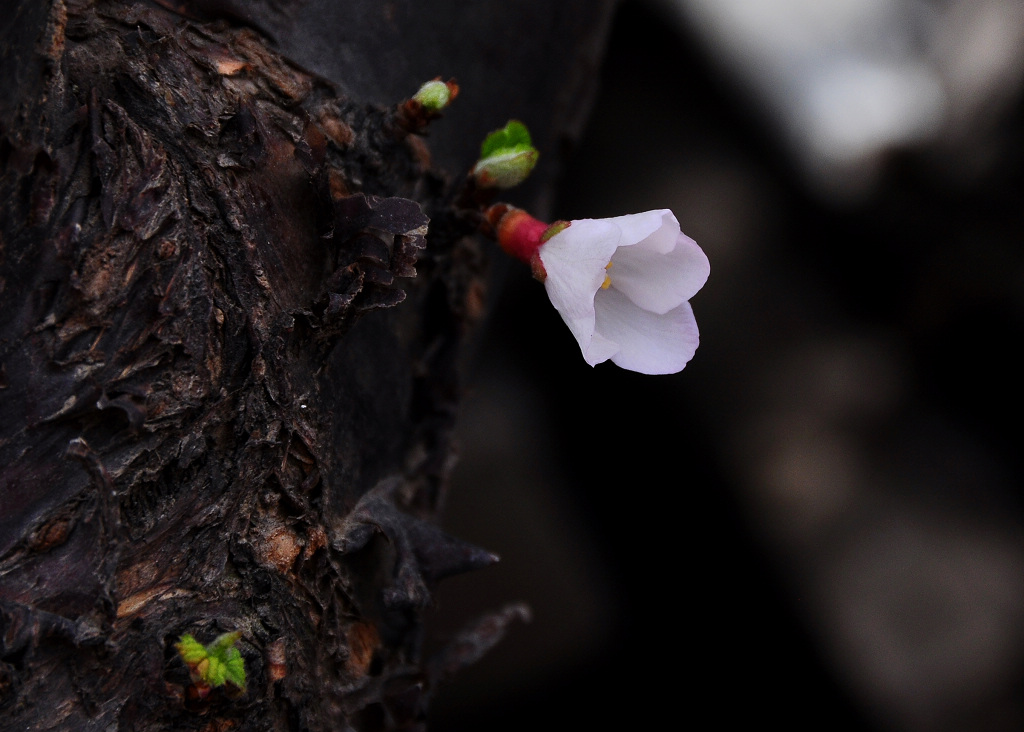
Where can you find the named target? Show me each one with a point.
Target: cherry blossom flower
(621, 284)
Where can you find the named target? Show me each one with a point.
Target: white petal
(660, 282)
(657, 229)
(586, 246)
(575, 260)
(649, 343)
(657, 266)
(599, 349)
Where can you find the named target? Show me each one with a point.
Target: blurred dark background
(818, 523)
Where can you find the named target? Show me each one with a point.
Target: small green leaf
(216, 673)
(222, 643)
(235, 668)
(190, 650)
(512, 138)
(216, 663)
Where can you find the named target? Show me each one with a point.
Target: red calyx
(518, 233)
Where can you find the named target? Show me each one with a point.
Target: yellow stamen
(607, 278)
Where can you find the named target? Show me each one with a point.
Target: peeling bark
(234, 311)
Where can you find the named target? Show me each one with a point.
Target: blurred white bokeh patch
(847, 82)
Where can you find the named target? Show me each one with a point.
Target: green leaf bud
(434, 95)
(190, 650)
(235, 668)
(507, 157)
(214, 664)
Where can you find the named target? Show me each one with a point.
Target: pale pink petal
(657, 229)
(658, 281)
(649, 343)
(581, 251)
(598, 350)
(575, 260)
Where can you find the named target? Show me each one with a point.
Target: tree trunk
(238, 292)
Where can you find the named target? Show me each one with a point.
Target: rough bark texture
(234, 307)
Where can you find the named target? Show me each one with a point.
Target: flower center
(607, 277)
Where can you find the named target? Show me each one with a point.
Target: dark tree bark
(237, 297)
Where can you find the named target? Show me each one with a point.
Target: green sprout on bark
(216, 664)
(435, 95)
(507, 157)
